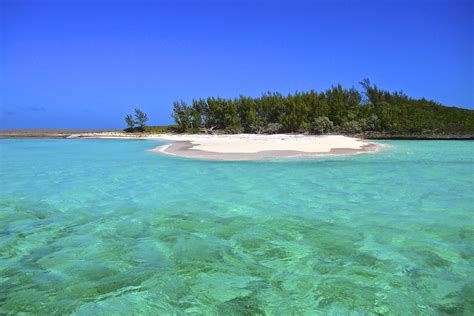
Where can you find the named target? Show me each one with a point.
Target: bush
(156, 129)
(271, 128)
(305, 127)
(351, 127)
(236, 129)
(321, 125)
(371, 123)
(175, 128)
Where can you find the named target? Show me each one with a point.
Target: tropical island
(229, 158)
(337, 121)
(371, 113)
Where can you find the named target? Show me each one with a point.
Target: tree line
(336, 110)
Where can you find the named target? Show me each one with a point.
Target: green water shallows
(105, 226)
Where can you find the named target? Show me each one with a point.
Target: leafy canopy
(335, 110)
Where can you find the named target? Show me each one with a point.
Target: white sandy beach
(249, 146)
(253, 146)
(253, 143)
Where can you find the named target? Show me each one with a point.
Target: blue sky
(85, 64)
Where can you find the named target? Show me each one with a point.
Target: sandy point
(256, 146)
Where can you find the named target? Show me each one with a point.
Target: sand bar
(247, 146)
(253, 146)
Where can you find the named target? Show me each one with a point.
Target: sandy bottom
(252, 146)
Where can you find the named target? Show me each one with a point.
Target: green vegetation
(140, 120)
(158, 129)
(374, 111)
(130, 122)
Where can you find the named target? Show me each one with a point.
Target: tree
(251, 119)
(182, 115)
(140, 119)
(336, 109)
(293, 115)
(353, 98)
(130, 122)
(197, 110)
(232, 122)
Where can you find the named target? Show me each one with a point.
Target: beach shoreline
(242, 146)
(256, 146)
(185, 149)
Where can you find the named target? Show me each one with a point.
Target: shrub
(321, 125)
(271, 128)
(236, 129)
(156, 129)
(351, 127)
(175, 128)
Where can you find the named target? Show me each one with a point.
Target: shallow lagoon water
(107, 227)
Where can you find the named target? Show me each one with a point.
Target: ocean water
(107, 227)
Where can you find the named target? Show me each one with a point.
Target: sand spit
(253, 146)
(247, 146)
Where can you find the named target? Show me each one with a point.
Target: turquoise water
(106, 227)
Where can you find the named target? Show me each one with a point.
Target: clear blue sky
(85, 64)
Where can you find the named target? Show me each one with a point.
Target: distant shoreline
(230, 146)
(48, 133)
(417, 137)
(99, 133)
